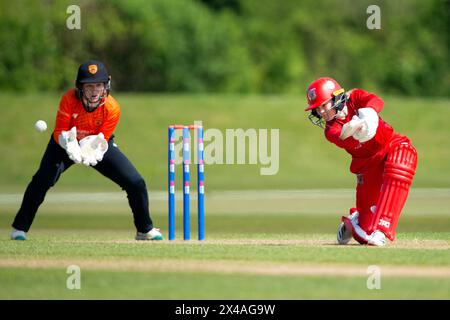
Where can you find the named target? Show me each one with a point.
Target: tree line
(230, 46)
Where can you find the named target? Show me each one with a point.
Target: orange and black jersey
(72, 113)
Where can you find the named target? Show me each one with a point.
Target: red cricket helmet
(322, 90)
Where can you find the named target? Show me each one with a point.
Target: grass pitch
(255, 253)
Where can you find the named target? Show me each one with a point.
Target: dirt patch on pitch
(228, 267)
(401, 244)
(409, 244)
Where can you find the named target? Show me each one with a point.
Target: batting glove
(370, 124)
(351, 127)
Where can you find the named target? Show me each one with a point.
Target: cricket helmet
(92, 71)
(322, 90)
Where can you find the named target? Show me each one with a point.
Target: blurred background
(228, 46)
(231, 64)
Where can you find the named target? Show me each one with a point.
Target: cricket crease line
(398, 244)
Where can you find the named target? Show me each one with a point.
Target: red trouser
(383, 187)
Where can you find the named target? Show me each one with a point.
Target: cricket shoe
(345, 234)
(153, 234)
(18, 235)
(377, 238)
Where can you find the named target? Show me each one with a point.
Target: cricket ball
(40, 125)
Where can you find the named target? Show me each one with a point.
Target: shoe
(345, 234)
(377, 238)
(153, 234)
(18, 235)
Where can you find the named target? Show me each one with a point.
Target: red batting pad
(398, 174)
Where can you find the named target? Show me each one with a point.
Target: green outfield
(268, 237)
(285, 250)
(306, 160)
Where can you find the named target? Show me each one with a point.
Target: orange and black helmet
(92, 71)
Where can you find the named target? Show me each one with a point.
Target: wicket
(186, 182)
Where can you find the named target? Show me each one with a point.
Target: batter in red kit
(383, 160)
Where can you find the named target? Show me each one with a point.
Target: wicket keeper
(383, 160)
(85, 123)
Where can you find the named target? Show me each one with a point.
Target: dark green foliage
(228, 46)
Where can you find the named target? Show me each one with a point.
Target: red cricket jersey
(363, 154)
(71, 113)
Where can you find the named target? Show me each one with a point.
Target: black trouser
(114, 166)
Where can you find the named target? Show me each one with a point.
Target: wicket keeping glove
(68, 141)
(93, 148)
(370, 124)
